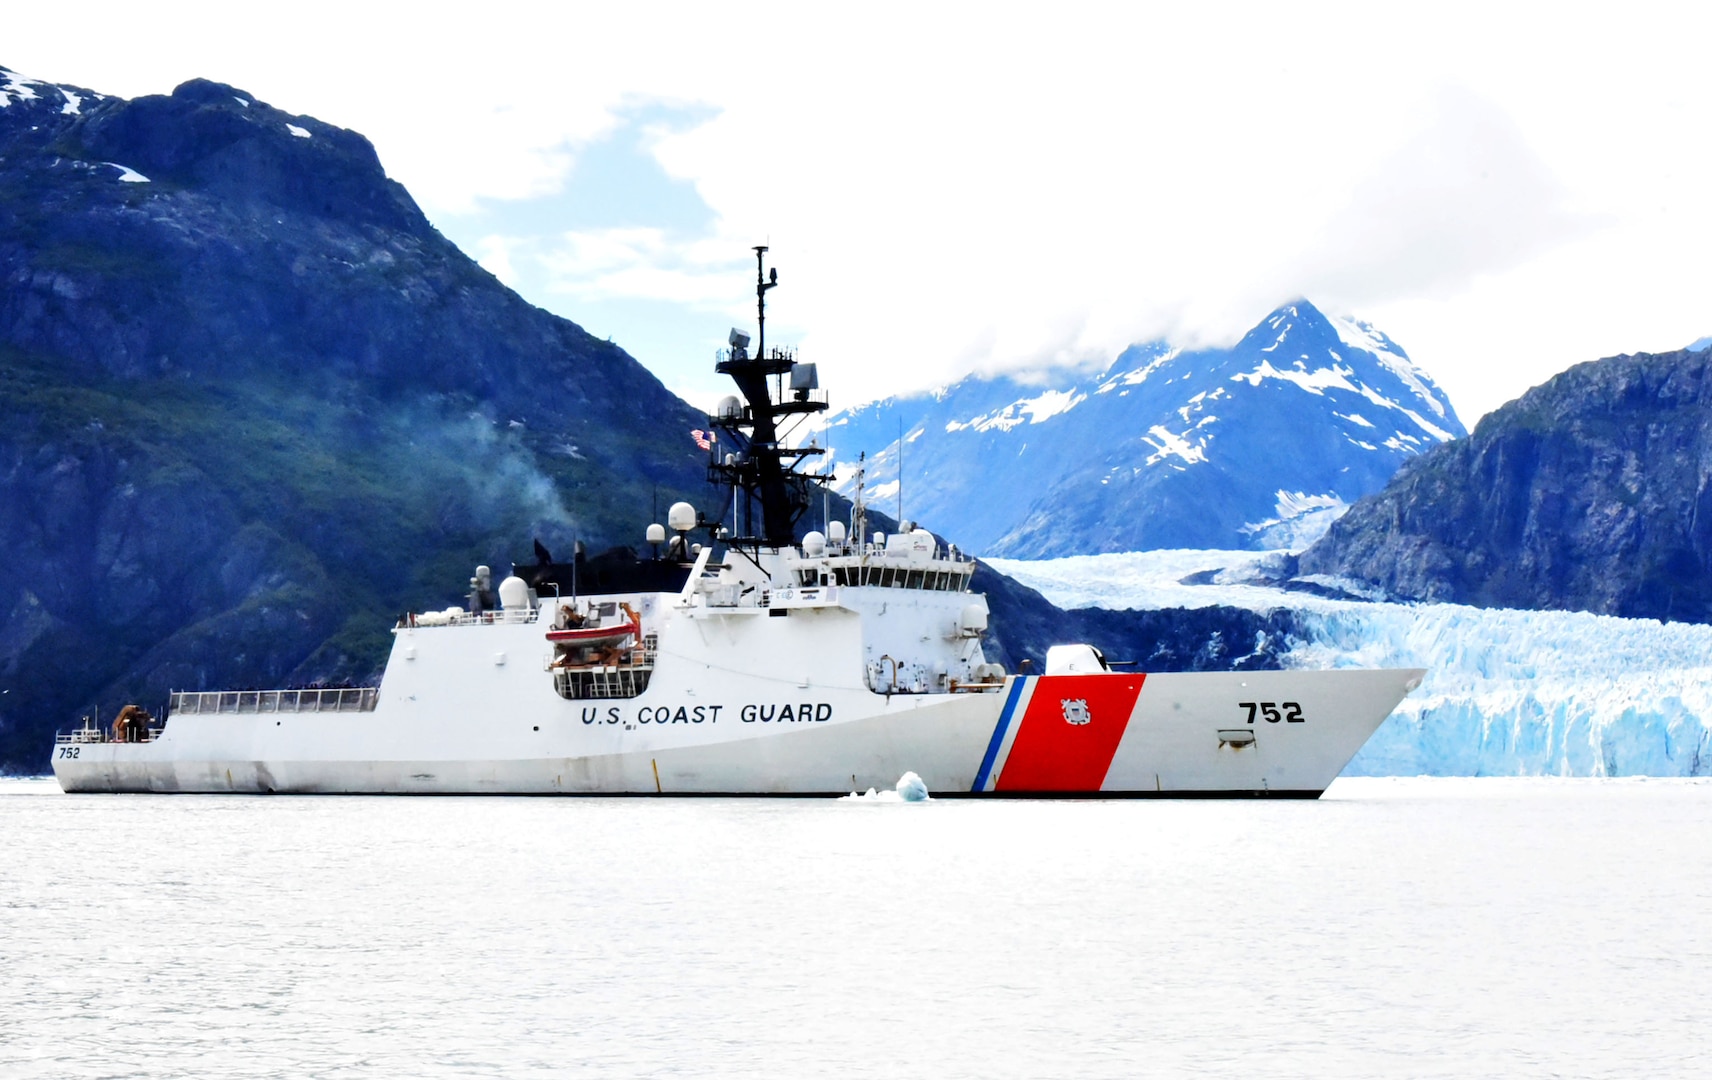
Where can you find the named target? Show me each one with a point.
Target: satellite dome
(656, 533)
(835, 532)
(681, 517)
(730, 408)
(814, 545)
(514, 594)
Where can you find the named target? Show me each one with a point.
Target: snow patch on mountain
(1033, 410)
(1138, 374)
(1314, 382)
(1507, 693)
(16, 88)
(1434, 430)
(1166, 444)
(128, 175)
(20, 89)
(1361, 335)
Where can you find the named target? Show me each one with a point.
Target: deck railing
(92, 734)
(348, 699)
(459, 617)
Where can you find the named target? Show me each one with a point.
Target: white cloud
(639, 263)
(1463, 197)
(956, 187)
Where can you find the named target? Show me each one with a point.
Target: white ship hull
(470, 710)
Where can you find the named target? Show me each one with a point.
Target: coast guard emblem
(1076, 711)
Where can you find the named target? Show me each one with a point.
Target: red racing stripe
(1070, 733)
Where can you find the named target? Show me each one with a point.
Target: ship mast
(761, 467)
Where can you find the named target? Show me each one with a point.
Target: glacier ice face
(1507, 693)
(1527, 693)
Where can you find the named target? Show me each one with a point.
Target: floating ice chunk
(301, 133)
(910, 788)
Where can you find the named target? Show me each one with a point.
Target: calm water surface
(1396, 927)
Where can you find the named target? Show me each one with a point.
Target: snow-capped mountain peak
(1258, 445)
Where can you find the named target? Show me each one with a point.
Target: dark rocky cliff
(1591, 492)
(252, 405)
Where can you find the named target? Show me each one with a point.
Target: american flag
(703, 439)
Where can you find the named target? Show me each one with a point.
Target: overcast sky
(1505, 191)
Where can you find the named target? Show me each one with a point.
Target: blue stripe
(998, 735)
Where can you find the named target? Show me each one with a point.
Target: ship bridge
(908, 560)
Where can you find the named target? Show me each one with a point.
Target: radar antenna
(759, 466)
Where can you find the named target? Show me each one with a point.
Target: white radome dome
(514, 594)
(681, 517)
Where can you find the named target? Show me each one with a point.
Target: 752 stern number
(1268, 710)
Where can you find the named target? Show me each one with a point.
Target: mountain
(1591, 492)
(252, 405)
(1256, 446)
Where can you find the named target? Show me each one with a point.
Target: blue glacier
(1507, 693)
